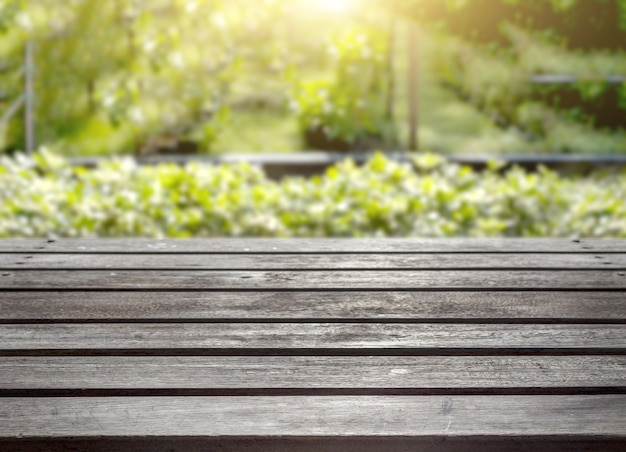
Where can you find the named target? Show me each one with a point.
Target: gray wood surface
(599, 416)
(321, 280)
(288, 336)
(310, 262)
(299, 246)
(304, 306)
(460, 339)
(312, 372)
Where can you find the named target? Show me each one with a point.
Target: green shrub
(45, 196)
(349, 106)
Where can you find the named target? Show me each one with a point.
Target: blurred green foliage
(44, 196)
(573, 117)
(490, 49)
(350, 105)
(583, 24)
(123, 74)
(148, 76)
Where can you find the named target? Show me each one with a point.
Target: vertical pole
(391, 67)
(29, 96)
(413, 87)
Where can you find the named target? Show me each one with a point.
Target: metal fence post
(413, 88)
(29, 97)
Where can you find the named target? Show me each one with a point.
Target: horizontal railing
(314, 162)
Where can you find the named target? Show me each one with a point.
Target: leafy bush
(349, 106)
(45, 196)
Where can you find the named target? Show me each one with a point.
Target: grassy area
(251, 131)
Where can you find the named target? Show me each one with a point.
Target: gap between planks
(304, 320)
(307, 392)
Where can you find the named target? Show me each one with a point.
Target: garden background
(201, 78)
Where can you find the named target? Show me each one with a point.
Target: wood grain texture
(300, 246)
(505, 416)
(309, 262)
(286, 336)
(306, 306)
(330, 339)
(312, 372)
(322, 280)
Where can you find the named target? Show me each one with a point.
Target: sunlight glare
(335, 6)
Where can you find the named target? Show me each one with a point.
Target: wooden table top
(316, 344)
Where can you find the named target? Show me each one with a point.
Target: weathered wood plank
(491, 261)
(321, 280)
(312, 372)
(300, 246)
(306, 306)
(599, 416)
(251, 337)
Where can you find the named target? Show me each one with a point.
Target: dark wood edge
(319, 444)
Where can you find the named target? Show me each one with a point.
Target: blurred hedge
(44, 196)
